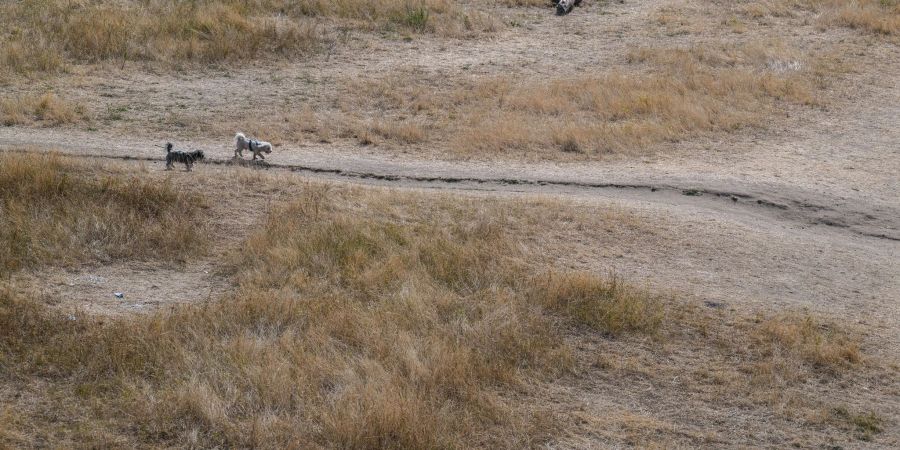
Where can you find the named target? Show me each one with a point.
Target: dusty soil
(803, 214)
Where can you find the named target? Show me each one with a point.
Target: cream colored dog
(242, 143)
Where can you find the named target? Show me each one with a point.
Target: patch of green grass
(416, 17)
(866, 424)
(114, 113)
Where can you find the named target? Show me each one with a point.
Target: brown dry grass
(657, 97)
(804, 338)
(689, 91)
(366, 318)
(787, 349)
(344, 330)
(40, 35)
(874, 16)
(59, 212)
(606, 305)
(680, 93)
(48, 109)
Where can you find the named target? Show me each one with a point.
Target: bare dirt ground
(803, 214)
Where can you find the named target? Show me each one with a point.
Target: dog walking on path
(186, 158)
(242, 143)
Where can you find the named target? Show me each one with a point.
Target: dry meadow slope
(772, 93)
(266, 309)
(615, 79)
(357, 317)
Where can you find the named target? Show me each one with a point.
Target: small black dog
(187, 158)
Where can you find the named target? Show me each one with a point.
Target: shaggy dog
(564, 7)
(242, 143)
(187, 158)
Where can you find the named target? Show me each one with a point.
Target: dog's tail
(168, 147)
(239, 137)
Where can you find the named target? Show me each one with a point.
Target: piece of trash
(94, 279)
(71, 317)
(119, 294)
(784, 66)
(711, 304)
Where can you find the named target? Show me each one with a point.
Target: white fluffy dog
(242, 143)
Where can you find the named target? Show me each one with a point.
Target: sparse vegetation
(866, 425)
(55, 211)
(267, 310)
(687, 92)
(47, 109)
(605, 305)
(417, 17)
(874, 16)
(802, 337)
(342, 331)
(39, 35)
(663, 95)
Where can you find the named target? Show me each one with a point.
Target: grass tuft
(606, 305)
(820, 344)
(873, 16)
(416, 17)
(56, 212)
(48, 109)
(866, 424)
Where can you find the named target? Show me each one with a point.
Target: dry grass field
(873, 16)
(45, 35)
(644, 224)
(48, 109)
(656, 93)
(359, 318)
(683, 92)
(62, 212)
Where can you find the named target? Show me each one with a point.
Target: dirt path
(748, 246)
(811, 206)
